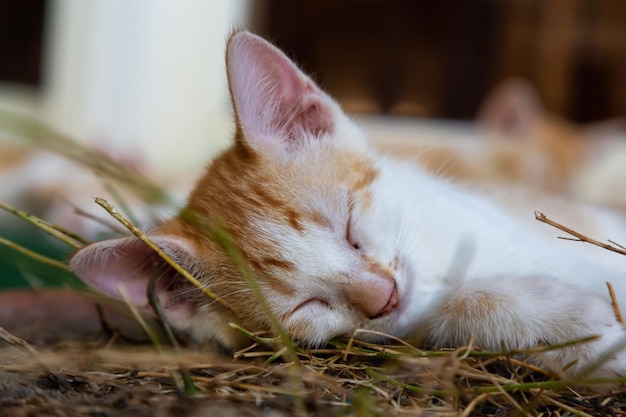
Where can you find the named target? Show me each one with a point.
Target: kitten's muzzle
(373, 294)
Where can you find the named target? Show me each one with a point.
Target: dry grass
(273, 377)
(346, 378)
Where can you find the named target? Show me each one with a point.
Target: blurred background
(92, 62)
(145, 80)
(427, 58)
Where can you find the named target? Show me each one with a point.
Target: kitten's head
(531, 145)
(295, 194)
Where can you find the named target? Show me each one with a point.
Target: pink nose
(372, 294)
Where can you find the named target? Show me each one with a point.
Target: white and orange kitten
(342, 238)
(516, 141)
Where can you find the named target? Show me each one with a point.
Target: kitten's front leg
(526, 312)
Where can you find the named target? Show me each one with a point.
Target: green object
(18, 270)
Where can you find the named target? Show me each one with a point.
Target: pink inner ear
(109, 282)
(130, 264)
(311, 116)
(512, 109)
(273, 99)
(110, 264)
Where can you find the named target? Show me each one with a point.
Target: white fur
(449, 243)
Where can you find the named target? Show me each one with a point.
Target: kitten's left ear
(276, 104)
(127, 262)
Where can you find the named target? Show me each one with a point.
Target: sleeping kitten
(342, 238)
(516, 141)
(583, 162)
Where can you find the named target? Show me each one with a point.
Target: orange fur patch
(374, 267)
(473, 307)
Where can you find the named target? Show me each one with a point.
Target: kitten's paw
(601, 358)
(609, 359)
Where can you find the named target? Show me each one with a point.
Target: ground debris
(344, 379)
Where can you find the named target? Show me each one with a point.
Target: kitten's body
(342, 238)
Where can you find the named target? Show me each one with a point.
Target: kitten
(516, 141)
(583, 162)
(342, 238)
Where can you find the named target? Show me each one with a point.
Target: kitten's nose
(374, 295)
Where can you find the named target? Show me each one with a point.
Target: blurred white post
(142, 78)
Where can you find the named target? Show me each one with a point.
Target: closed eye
(350, 237)
(349, 228)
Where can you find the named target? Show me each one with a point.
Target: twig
(22, 344)
(348, 347)
(612, 242)
(119, 200)
(472, 405)
(579, 236)
(513, 387)
(40, 258)
(582, 238)
(566, 407)
(153, 299)
(18, 342)
(58, 232)
(156, 341)
(152, 334)
(268, 341)
(117, 216)
(224, 240)
(234, 253)
(614, 303)
(111, 226)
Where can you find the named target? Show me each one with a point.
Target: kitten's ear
(276, 104)
(123, 267)
(512, 109)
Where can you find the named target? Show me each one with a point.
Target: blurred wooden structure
(439, 59)
(21, 40)
(417, 57)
